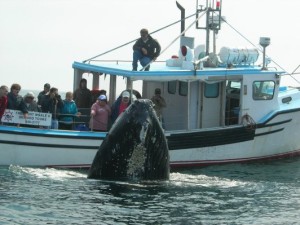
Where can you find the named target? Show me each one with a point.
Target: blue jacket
(69, 108)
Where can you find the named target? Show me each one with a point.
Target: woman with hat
(30, 103)
(100, 112)
(120, 105)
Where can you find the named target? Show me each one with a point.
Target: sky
(40, 39)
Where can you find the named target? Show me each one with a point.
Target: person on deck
(3, 100)
(31, 106)
(82, 95)
(159, 104)
(68, 111)
(120, 105)
(45, 91)
(146, 49)
(52, 103)
(16, 101)
(30, 103)
(100, 113)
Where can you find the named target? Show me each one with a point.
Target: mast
(213, 20)
(182, 17)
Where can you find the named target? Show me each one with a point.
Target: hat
(125, 94)
(29, 95)
(134, 98)
(157, 91)
(102, 97)
(47, 85)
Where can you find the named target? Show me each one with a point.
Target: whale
(135, 148)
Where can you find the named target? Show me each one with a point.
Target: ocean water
(256, 193)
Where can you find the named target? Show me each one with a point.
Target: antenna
(264, 42)
(213, 20)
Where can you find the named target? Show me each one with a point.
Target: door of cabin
(233, 101)
(211, 104)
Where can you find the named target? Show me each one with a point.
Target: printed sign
(33, 118)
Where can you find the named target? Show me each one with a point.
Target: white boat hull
(277, 138)
(74, 149)
(34, 147)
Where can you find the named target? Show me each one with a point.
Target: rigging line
(197, 19)
(293, 73)
(296, 69)
(259, 48)
(120, 46)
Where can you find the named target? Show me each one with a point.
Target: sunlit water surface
(259, 193)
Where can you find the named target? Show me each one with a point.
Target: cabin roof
(160, 72)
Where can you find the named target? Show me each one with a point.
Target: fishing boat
(224, 106)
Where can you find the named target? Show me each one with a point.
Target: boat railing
(82, 120)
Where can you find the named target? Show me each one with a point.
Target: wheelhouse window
(172, 87)
(183, 88)
(263, 90)
(211, 90)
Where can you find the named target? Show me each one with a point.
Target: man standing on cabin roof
(145, 50)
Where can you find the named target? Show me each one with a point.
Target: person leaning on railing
(16, 101)
(67, 112)
(100, 113)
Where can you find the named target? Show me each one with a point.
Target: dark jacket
(116, 105)
(83, 96)
(49, 105)
(152, 46)
(115, 109)
(40, 97)
(16, 102)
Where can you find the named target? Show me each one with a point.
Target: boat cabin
(206, 98)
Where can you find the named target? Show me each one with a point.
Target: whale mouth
(136, 162)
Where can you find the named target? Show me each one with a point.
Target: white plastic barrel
(238, 55)
(229, 55)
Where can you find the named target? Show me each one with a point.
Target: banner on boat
(34, 118)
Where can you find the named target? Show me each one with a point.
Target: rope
(294, 73)
(248, 122)
(120, 46)
(261, 50)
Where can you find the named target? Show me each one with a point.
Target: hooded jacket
(83, 96)
(152, 46)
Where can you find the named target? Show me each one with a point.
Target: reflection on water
(260, 193)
